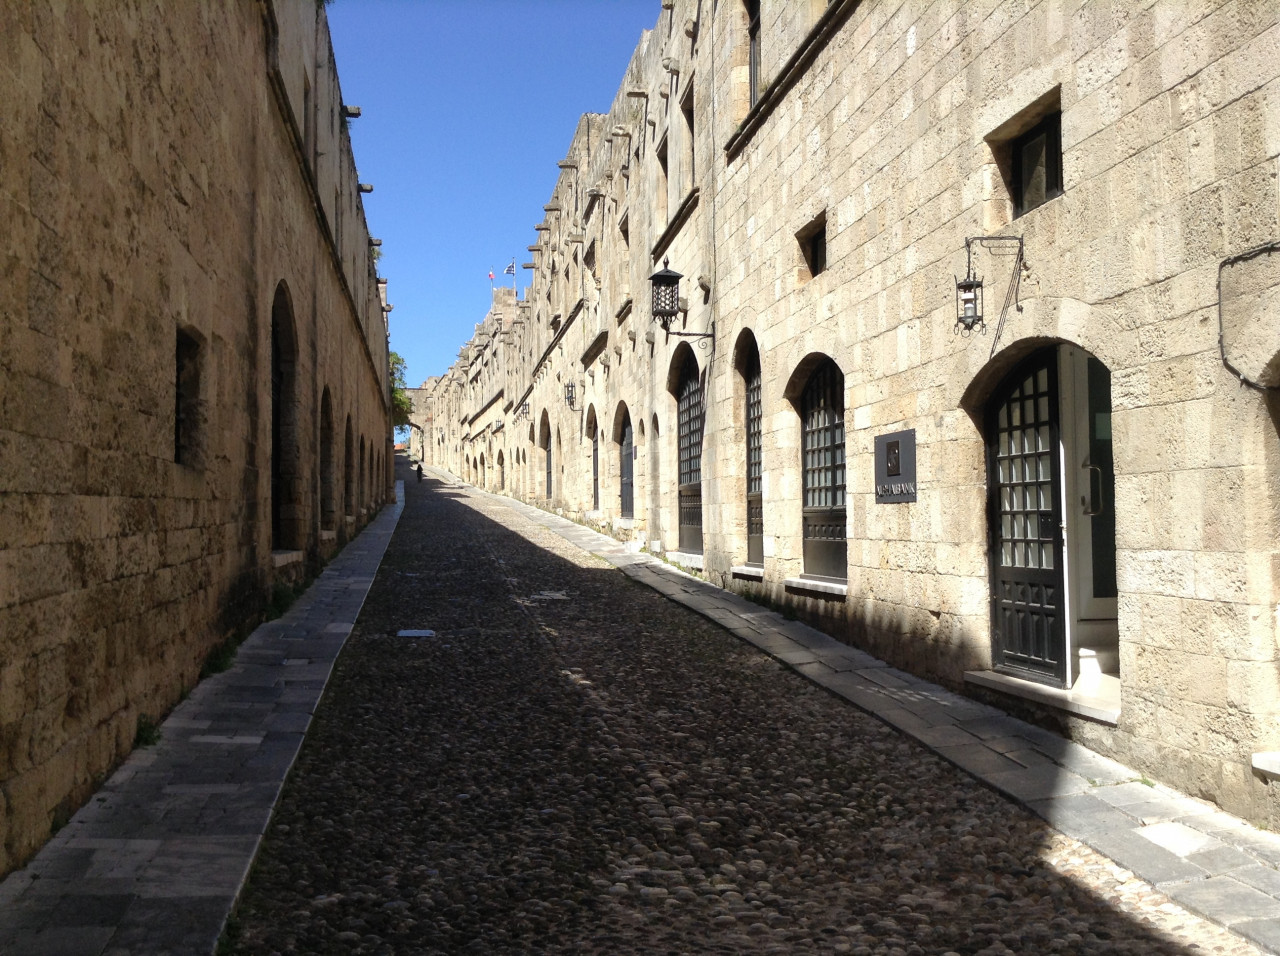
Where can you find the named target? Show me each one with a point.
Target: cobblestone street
(573, 763)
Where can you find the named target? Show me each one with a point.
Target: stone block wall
(156, 201)
(894, 127)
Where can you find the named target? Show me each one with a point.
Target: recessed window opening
(1036, 165)
(187, 430)
(813, 246)
(661, 192)
(753, 48)
(686, 110)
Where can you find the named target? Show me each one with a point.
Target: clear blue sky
(468, 105)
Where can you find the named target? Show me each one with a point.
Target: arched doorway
(285, 479)
(1051, 518)
(348, 473)
(626, 464)
(593, 429)
(328, 500)
(544, 442)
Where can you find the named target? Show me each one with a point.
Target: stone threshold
(1096, 697)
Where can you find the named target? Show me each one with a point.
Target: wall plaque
(896, 467)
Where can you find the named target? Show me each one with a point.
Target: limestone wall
(156, 200)
(895, 127)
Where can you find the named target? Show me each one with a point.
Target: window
(186, 411)
(813, 246)
(1036, 165)
(753, 48)
(689, 443)
(822, 425)
(755, 448)
(686, 110)
(661, 193)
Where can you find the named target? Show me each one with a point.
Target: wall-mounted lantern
(666, 304)
(571, 395)
(666, 295)
(968, 303)
(522, 413)
(969, 289)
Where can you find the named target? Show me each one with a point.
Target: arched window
(689, 403)
(749, 369)
(822, 424)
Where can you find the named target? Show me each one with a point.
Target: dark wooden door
(1025, 518)
(595, 469)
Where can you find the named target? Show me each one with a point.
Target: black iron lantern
(570, 395)
(666, 295)
(968, 303)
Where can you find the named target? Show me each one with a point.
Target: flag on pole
(490, 275)
(511, 269)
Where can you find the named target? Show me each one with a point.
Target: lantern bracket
(969, 290)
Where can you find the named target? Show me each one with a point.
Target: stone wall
(172, 182)
(898, 132)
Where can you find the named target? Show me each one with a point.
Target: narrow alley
(562, 760)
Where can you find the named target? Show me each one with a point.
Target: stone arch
(286, 477)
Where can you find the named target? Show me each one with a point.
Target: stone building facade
(193, 363)
(1070, 507)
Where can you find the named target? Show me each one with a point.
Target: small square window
(1036, 165)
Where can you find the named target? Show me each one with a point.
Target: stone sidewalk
(154, 862)
(1210, 862)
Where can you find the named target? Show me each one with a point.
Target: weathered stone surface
(156, 204)
(893, 128)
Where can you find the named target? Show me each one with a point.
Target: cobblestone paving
(573, 764)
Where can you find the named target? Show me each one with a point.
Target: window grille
(755, 500)
(689, 441)
(822, 417)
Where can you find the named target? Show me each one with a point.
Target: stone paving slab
(1212, 863)
(154, 861)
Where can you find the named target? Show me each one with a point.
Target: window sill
(1096, 697)
(1267, 764)
(751, 572)
(328, 536)
(816, 586)
(282, 559)
(685, 559)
